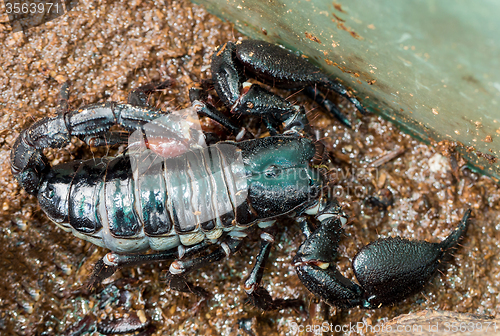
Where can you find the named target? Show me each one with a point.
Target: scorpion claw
(276, 66)
(391, 269)
(388, 270)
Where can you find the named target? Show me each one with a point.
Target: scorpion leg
(211, 112)
(111, 262)
(327, 104)
(111, 138)
(176, 278)
(259, 296)
(388, 270)
(199, 100)
(63, 105)
(140, 95)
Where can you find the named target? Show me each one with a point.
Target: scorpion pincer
(195, 204)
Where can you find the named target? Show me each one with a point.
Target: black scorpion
(193, 199)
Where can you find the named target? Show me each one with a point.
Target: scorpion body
(182, 199)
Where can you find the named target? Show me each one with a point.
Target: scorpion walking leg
(341, 90)
(111, 262)
(140, 95)
(257, 295)
(327, 104)
(63, 105)
(176, 278)
(211, 112)
(198, 98)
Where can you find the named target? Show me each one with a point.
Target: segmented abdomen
(133, 203)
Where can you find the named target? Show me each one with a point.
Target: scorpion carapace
(187, 199)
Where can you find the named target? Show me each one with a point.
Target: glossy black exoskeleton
(233, 63)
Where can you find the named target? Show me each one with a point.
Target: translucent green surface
(430, 66)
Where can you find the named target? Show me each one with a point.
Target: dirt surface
(427, 322)
(105, 50)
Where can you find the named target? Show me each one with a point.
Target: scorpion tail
(28, 163)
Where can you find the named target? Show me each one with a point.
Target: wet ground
(105, 50)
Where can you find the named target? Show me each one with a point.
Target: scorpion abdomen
(132, 203)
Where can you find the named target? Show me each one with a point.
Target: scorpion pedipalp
(232, 63)
(388, 270)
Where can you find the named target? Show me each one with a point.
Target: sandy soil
(107, 48)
